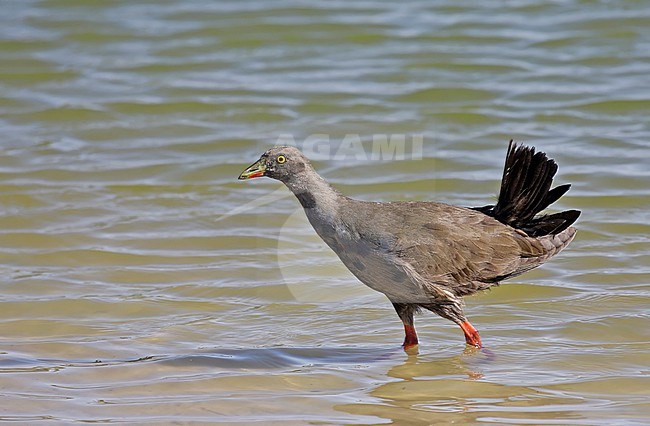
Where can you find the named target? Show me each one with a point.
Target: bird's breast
(376, 268)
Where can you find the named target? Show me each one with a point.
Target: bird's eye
(281, 159)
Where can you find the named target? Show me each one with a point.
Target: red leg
(471, 334)
(410, 338)
(405, 312)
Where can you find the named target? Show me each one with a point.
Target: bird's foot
(410, 348)
(410, 337)
(472, 337)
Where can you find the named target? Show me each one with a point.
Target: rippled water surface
(141, 282)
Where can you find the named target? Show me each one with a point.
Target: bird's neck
(316, 196)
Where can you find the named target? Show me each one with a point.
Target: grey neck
(316, 196)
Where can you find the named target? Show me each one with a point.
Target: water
(140, 282)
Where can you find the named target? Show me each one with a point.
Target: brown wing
(451, 247)
(467, 252)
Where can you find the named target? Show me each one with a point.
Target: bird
(426, 255)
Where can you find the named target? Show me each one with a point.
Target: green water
(141, 282)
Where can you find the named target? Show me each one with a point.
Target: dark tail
(526, 191)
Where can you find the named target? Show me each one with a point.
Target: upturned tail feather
(526, 191)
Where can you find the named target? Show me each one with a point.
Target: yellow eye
(281, 159)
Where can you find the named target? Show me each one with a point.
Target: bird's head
(281, 162)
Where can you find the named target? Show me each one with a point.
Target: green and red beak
(256, 169)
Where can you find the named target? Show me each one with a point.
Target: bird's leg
(410, 337)
(472, 337)
(405, 312)
(454, 312)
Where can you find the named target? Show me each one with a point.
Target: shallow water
(140, 282)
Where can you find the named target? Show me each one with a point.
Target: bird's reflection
(419, 365)
(427, 387)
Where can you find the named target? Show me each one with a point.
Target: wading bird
(429, 255)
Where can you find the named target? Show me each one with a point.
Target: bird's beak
(256, 169)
